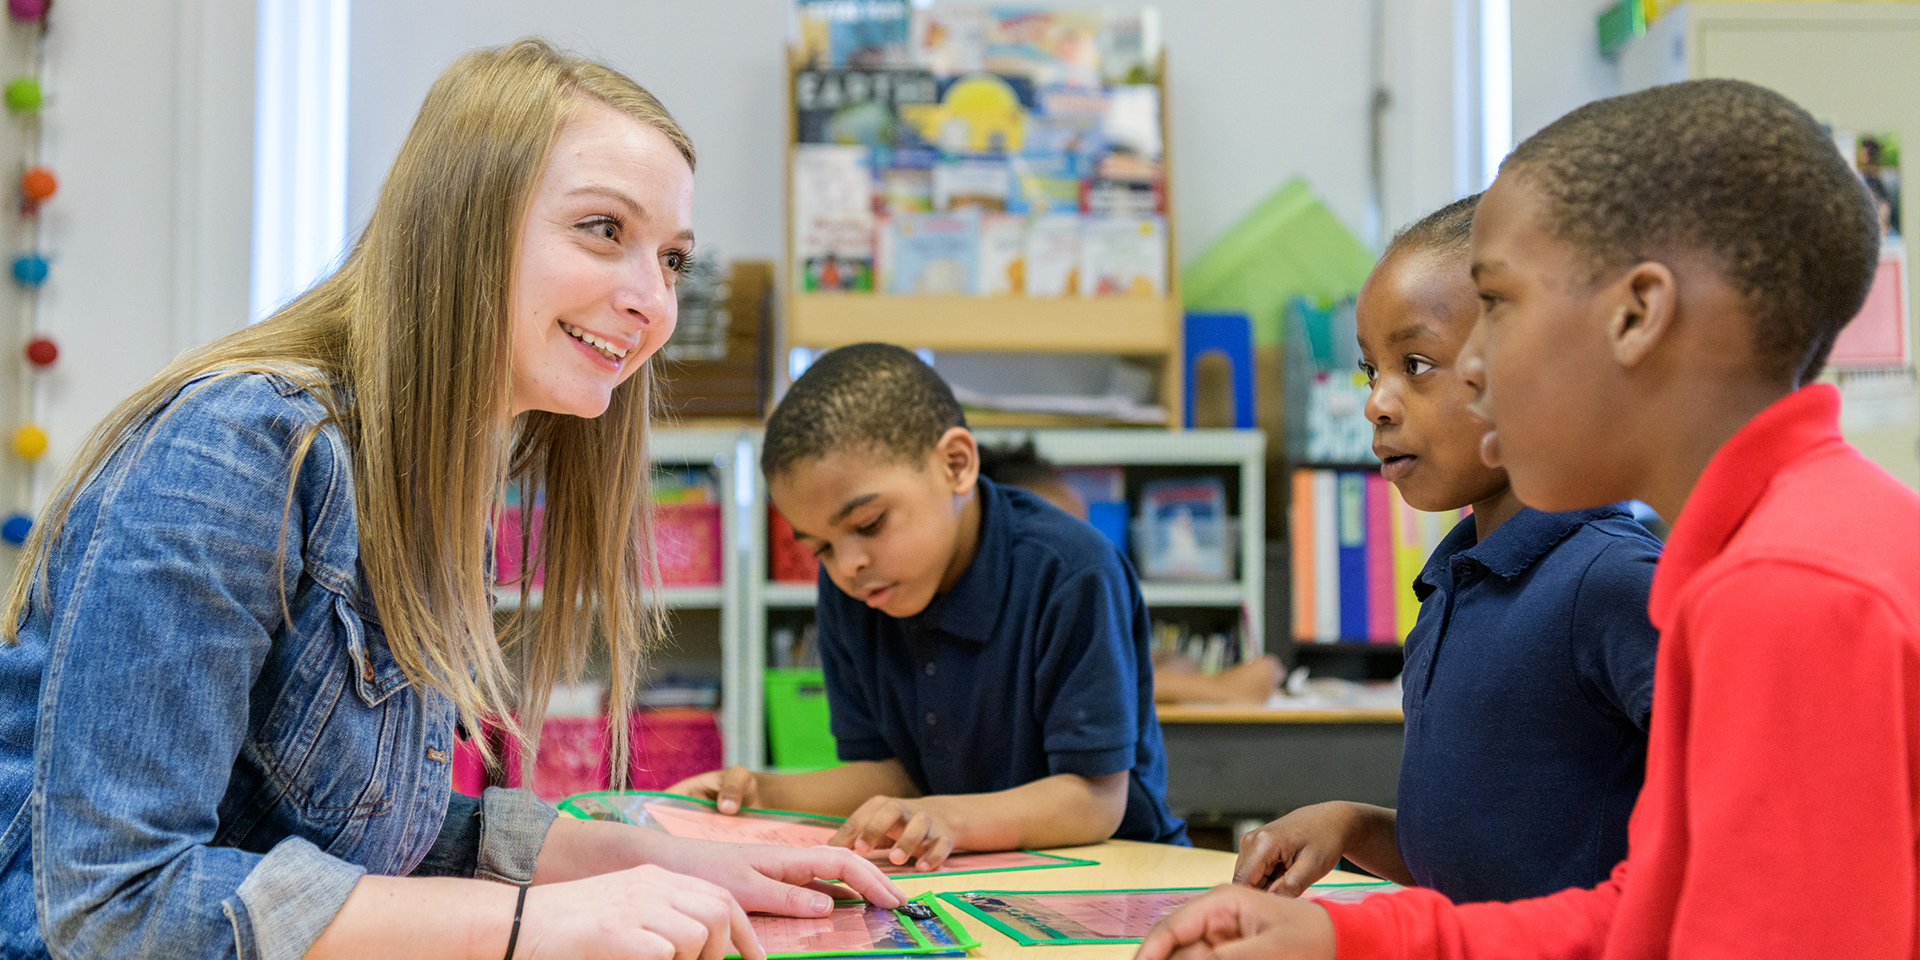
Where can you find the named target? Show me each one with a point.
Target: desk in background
(1123, 864)
(1261, 762)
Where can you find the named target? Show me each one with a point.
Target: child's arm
(1063, 810)
(836, 791)
(1291, 853)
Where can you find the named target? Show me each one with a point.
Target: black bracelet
(518, 905)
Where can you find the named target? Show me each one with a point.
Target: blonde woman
(249, 629)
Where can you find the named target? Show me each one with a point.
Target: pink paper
(701, 825)
(1351, 893)
(1127, 916)
(847, 928)
(705, 825)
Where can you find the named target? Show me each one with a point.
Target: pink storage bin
(506, 544)
(686, 540)
(665, 747)
(670, 746)
(572, 758)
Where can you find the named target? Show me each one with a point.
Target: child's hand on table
(911, 831)
(1291, 853)
(730, 789)
(1239, 923)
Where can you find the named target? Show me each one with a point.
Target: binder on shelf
(1352, 532)
(1300, 526)
(1382, 585)
(1326, 557)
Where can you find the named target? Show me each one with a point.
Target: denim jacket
(186, 770)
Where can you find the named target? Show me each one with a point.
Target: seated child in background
(986, 655)
(1662, 277)
(1529, 674)
(1176, 679)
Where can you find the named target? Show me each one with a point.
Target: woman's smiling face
(608, 233)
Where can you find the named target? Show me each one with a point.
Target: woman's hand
(1240, 923)
(911, 831)
(782, 880)
(729, 789)
(645, 913)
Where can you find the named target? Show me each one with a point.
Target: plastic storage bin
(799, 736)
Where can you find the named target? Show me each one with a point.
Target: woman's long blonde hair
(408, 345)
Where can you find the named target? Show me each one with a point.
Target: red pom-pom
(38, 183)
(42, 352)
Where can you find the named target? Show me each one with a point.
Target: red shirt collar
(1733, 482)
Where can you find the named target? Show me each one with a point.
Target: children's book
(1060, 917)
(859, 929)
(1048, 46)
(833, 217)
(933, 253)
(857, 106)
(1003, 254)
(1053, 255)
(1186, 532)
(1124, 256)
(699, 819)
(866, 34)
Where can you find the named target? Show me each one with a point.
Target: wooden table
(1236, 760)
(1123, 864)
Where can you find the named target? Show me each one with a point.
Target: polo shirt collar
(966, 611)
(1733, 482)
(1513, 547)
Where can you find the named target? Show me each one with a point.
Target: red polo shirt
(1782, 794)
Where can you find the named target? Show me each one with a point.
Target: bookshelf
(722, 452)
(1132, 326)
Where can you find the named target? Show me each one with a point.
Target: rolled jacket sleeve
(513, 827)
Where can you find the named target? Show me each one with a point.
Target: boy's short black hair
(871, 397)
(1727, 169)
(1446, 230)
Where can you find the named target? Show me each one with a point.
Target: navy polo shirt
(1528, 684)
(1035, 663)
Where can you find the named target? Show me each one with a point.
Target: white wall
(149, 127)
(1556, 61)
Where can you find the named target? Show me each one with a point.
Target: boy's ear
(959, 458)
(1644, 313)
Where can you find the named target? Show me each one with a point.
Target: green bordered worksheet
(699, 819)
(1065, 917)
(856, 929)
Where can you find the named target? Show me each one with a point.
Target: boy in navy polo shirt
(1529, 674)
(986, 655)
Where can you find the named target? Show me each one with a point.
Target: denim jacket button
(366, 671)
(436, 754)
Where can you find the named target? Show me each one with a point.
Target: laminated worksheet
(856, 929)
(1054, 917)
(700, 820)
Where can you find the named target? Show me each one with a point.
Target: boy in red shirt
(1662, 276)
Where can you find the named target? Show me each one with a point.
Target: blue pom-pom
(30, 269)
(15, 530)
